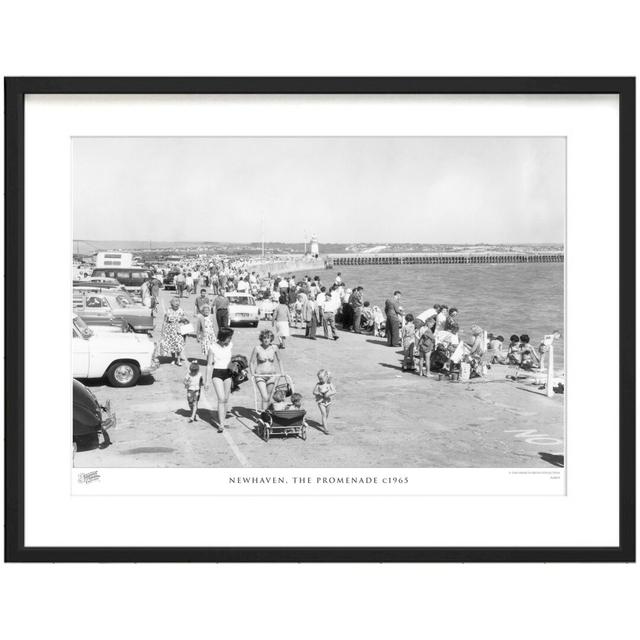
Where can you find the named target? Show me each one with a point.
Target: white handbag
(187, 329)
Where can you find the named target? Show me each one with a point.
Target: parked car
(103, 303)
(130, 277)
(168, 281)
(91, 420)
(119, 357)
(106, 283)
(107, 323)
(243, 309)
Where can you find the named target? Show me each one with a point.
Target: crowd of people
(431, 341)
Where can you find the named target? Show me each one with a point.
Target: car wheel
(123, 374)
(87, 442)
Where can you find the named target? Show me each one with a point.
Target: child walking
(193, 382)
(323, 393)
(426, 343)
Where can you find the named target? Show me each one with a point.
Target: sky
(379, 190)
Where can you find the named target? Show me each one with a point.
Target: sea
(503, 299)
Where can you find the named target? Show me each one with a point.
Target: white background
(293, 38)
(56, 518)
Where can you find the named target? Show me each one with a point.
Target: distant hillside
(255, 248)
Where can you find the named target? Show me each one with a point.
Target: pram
(282, 422)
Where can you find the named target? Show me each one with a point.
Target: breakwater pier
(341, 260)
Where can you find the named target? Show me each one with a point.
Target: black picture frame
(15, 91)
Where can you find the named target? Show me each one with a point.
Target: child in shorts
(426, 343)
(408, 343)
(193, 382)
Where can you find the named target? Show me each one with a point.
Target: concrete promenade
(381, 417)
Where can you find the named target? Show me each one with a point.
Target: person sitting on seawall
(449, 332)
(529, 357)
(514, 352)
(366, 320)
(379, 323)
(476, 349)
(495, 353)
(441, 318)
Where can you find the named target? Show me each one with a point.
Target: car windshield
(241, 300)
(82, 328)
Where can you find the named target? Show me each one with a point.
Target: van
(129, 277)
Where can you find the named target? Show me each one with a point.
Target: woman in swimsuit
(218, 372)
(262, 365)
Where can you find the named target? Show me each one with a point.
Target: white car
(120, 357)
(243, 309)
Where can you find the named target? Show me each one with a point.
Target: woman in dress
(281, 318)
(262, 365)
(393, 311)
(171, 339)
(218, 372)
(205, 329)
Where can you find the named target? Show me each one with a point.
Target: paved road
(382, 417)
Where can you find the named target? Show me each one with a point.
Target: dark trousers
(357, 315)
(310, 331)
(393, 330)
(222, 317)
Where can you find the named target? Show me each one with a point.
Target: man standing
(329, 309)
(221, 306)
(356, 302)
(180, 282)
(145, 292)
(154, 290)
(310, 317)
(202, 301)
(393, 311)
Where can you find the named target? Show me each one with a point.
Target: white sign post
(550, 372)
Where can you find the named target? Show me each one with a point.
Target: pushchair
(279, 422)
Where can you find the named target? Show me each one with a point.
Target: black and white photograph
(319, 302)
